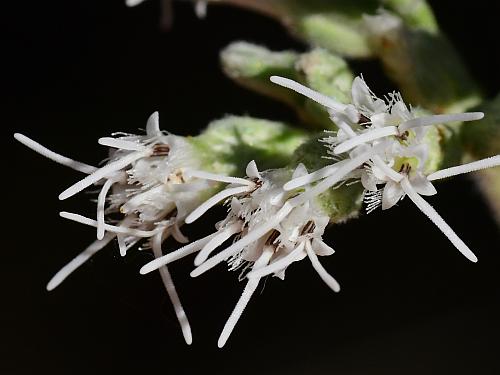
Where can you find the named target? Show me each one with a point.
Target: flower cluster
(271, 231)
(383, 143)
(145, 182)
(158, 182)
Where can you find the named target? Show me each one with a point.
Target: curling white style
(382, 144)
(270, 233)
(145, 181)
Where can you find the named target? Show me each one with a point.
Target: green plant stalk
(251, 66)
(228, 144)
(336, 25)
(416, 14)
(426, 67)
(483, 140)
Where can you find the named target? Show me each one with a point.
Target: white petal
(368, 181)
(252, 170)
(391, 195)
(153, 124)
(236, 206)
(299, 171)
(422, 185)
(321, 248)
(388, 171)
(362, 97)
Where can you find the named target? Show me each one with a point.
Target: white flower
(271, 230)
(385, 142)
(146, 176)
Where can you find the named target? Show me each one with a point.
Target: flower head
(144, 180)
(383, 144)
(271, 231)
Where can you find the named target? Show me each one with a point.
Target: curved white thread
(212, 201)
(172, 292)
(103, 172)
(80, 259)
(325, 276)
(440, 119)
(110, 228)
(215, 242)
(341, 172)
(120, 143)
(63, 160)
(217, 177)
(101, 202)
(252, 236)
(306, 91)
(176, 255)
(244, 299)
(432, 214)
(279, 264)
(313, 176)
(491, 162)
(368, 136)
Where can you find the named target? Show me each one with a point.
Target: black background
(79, 70)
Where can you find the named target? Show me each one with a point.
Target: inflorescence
(157, 183)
